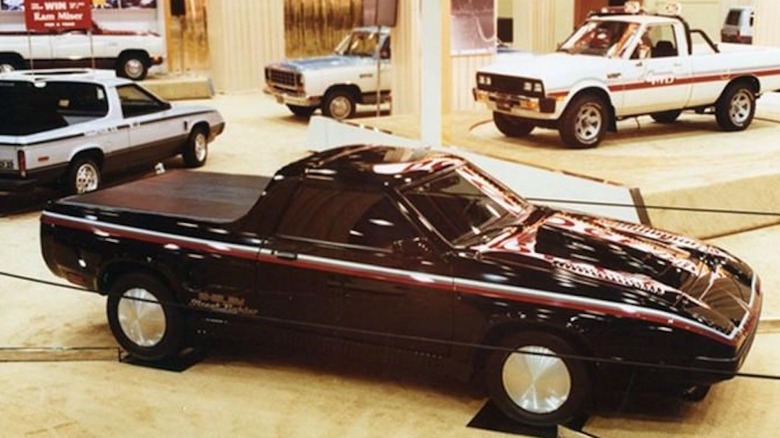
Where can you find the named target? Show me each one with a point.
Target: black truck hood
(698, 280)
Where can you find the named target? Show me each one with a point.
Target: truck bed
(216, 197)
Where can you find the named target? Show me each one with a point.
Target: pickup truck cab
(416, 251)
(131, 54)
(335, 83)
(625, 62)
(68, 128)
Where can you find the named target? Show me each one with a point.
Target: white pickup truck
(338, 82)
(68, 128)
(625, 62)
(129, 53)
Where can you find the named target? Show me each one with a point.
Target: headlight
(483, 80)
(300, 80)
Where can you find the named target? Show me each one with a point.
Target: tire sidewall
(73, 170)
(723, 109)
(122, 67)
(190, 155)
(172, 340)
(512, 126)
(581, 381)
(333, 95)
(568, 126)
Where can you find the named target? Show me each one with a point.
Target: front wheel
(10, 63)
(83, 176)
(302, 111)
(530, 383)
(512, 126)
(144, 318)
(339, 104)
(584, 122)
(196, 150)
(735, 109)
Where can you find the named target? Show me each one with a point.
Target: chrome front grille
(282, 78)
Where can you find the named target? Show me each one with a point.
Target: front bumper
(291, 98)
(716, 369)
(522, 106)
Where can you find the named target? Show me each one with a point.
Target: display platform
(180, 86)
(690, 164)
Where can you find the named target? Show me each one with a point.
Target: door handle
(286, 255)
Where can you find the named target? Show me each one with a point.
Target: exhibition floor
(61, 376)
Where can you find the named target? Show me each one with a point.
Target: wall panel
(244, 35)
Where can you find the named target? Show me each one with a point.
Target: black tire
(666, 117)
(512, 126)
(339, 104)
(534, 389)
(146, 330)
(133, 66)
(302, 111)
(736, 107)
(10, 63)
(584, 122)
(83, 176)
(196, 150)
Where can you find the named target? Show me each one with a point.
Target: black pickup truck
(412, 250)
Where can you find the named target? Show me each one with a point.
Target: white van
(738, 26)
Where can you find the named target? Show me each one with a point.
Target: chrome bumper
(290, 98)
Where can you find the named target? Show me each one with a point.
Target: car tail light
(22, 160)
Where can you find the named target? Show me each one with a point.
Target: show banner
(53, 15)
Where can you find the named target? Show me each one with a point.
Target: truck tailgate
(214, 197)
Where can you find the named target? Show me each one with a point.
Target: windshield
(358, 43)
(464, 205)
(601, 38)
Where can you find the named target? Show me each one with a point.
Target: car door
(154, 135)
(658, 75)
(71, 48)
(349, 259)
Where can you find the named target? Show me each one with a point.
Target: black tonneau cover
(216, 197)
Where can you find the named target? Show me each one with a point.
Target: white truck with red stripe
(625, 62)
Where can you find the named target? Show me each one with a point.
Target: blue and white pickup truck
(338, 82)
(69, 128)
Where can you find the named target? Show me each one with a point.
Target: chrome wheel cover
(200, 147)
(340, 107)
(133, 68)
(87, 178)
(740, 108)
(587, 124)
(142, 321)
(537, 384)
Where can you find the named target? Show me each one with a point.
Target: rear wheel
(132, 66)
(144, 318)
(735, 109)
(532, 385)
(512, 126)
(302, 111)
(83, 176)
(666, 116)
(196, 151)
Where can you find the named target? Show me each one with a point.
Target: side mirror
(415, 247)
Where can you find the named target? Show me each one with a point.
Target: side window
(662, 41)
(80, 101)
(137, 101)
(353, 218)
